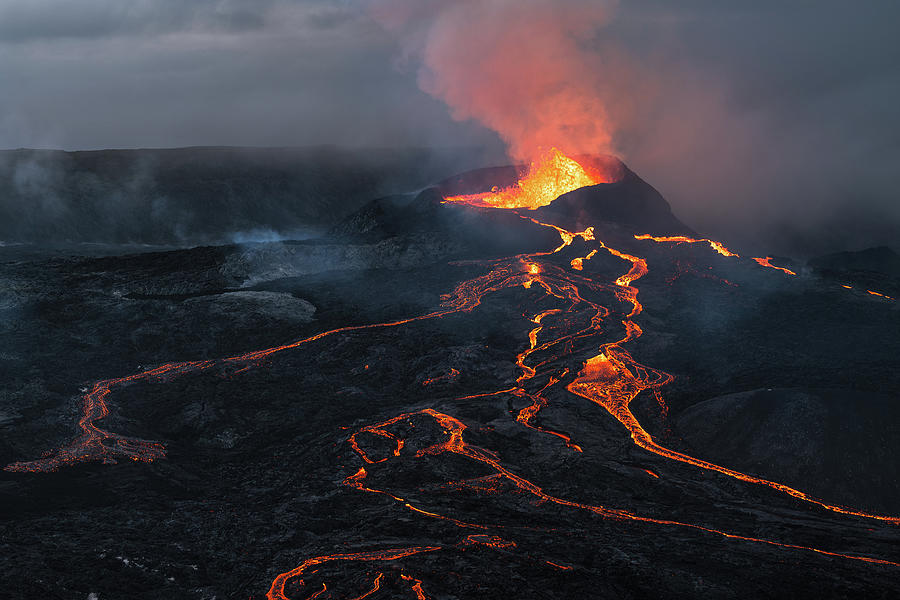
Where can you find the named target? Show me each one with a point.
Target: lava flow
(683, 239)
(403, 426)
(567, 327)
(767, 262)
(611, 379)
(95, 444)
(717, 246)
(546, 179)
(276, 591)
(453, 374)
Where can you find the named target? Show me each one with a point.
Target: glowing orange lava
(276, 591)
(650, 473)
(681, 239)
(717, 246)
(570, 314)
(767, 262)
(455, 444)
(453, 374)
(546, 180)
(871, 293)
(578, 263)
(879, 294)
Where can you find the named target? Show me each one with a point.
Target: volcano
(444, 397)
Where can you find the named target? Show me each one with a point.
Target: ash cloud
(22, 22)
(522, 69)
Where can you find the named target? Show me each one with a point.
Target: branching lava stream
(606, 375)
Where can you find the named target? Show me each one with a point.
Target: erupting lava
(573, 316)
(546, 180)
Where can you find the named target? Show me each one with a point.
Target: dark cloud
(22, 21)
(98, 74)
(775, 123)
(765, 122)
(330, 18)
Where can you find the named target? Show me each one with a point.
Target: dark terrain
(192, 196)
(790, 378)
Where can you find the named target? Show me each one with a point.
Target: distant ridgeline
(195, 196)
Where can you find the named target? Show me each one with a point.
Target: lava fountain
(546, 179)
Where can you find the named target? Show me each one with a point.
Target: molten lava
(546, 180)
(767, 262)
(682, 239)
(717, 246)
(578, 263)
(452, 375)
(574, 324)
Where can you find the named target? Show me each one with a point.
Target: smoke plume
(677, 93)
(527, 69)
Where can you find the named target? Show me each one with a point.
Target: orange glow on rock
(548, 178)
(494, 541)
(416, 586)
(578, 263)
(600, 367)
(650, 473)
(879, 294)
(452, 375)
(766, 262)
(681, 239)
(276, 591)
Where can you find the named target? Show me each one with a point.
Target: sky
(771, 122)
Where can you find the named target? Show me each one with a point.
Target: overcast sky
(759, 111)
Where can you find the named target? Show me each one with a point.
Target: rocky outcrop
(839, 445)
(631, 203)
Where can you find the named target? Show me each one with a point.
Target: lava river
(577, 342)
